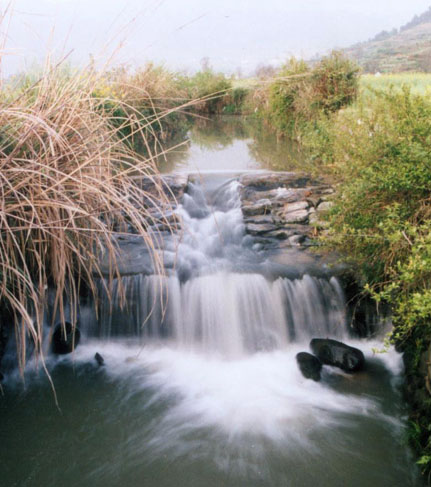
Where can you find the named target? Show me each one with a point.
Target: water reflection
(231, 143)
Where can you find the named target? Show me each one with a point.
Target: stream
(200, 385)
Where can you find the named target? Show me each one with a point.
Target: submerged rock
(65, 338)
(338, 354)
(99, 359)
(309, 365)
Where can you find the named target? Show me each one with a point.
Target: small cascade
(191, 377)
(214, 301)
(228, 313)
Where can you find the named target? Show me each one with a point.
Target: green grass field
(419, 83)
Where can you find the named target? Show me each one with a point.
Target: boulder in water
(99, 359)
(309, 365)
(65, 338)
(338, 354)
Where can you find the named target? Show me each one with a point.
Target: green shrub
(335, 82)
(210, 91)
(290, 97)
(380, 155)
(300, 95)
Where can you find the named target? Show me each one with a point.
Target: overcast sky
(179, 33)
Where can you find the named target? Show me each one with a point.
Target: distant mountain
(404, 49)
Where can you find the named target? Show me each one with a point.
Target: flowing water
(200, 385)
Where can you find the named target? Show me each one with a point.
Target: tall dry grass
(67, 186)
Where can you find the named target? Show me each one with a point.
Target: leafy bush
(335, 82)
(235, 100)
(380, 154)
(290, 97)
(301, 95)
(209, 91)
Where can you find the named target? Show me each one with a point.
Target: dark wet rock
(65, 338)
(133, 257)
(297, 240)
(99, 359)
(338, 354)
(309, 365)
(279, 234)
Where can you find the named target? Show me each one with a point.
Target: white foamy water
(261, 394)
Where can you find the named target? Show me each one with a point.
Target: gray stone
(272, 180)
(298, 216)
(261, 207)
(299, 205)
(325, 206)
(259, 229)
(259, 219)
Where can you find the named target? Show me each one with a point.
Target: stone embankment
(279, 208)
(283, 209)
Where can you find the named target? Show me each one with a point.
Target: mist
(235, 36)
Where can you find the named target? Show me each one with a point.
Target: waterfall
(228, 313)
(222, 306)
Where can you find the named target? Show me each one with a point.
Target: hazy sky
(179, 33)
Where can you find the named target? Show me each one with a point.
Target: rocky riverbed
(281, 211)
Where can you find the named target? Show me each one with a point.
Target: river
(200, 385)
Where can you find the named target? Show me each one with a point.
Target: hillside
(404, 49)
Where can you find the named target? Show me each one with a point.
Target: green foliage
(380, 155)
(301, 95)
(418, 83)
(286, 97)
(235, 100)
(335, 82)
(382, 158)
(210, 90)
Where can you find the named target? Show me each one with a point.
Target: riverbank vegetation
(371, 136)
(67, 173)
(379, 153)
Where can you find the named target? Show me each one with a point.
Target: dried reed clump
(66, 184)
